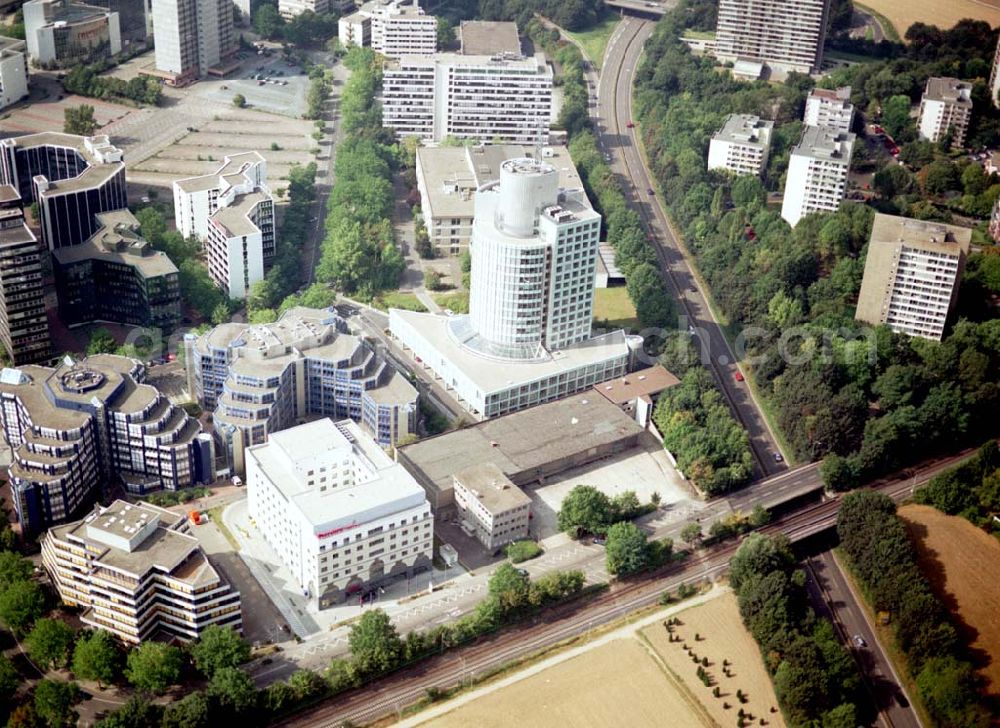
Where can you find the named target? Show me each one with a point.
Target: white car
(859, 641)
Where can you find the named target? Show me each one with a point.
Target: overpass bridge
(644, 8)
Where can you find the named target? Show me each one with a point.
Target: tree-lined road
(613, 116)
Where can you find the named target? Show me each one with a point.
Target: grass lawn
(396, 299)
(457, 302)
(699, 34)
(595, 40)
(612, 305)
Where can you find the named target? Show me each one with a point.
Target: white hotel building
(527, 337)
(232, 212)
(341, 514)
(137, 572)
(817, 173)
(504, 98)
(742, 145)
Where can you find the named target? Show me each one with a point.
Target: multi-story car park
(24, 327)
(503, 98)
(86, 423)
(786, 35)
(260, 379)
(339, 513)
(66, 32)
(448, 177)
(945, 108)
(817, 173)
(72, 178)
(527, 336)
(13, 71)
(232, 212)
(138, 573)
(117, 276)
(912, 275)
(742, 145)
(830, 108)
(490, 505)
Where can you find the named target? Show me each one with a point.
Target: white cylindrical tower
(526, 187)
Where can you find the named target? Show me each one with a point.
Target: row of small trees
(883, 558)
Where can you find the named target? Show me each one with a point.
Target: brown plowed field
(962, 563)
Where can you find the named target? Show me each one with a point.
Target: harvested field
(962, 563)
(617, 684)
(942, 13)
(722, 637)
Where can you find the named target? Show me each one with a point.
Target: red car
(738, 376)
(630, 125)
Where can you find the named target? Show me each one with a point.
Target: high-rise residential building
(260, 379)
(817, 173)
(504, 98)
(72, 178)
(116, 275)
(194, 38)
(232, 212)
(290, 8)
(136, 571)
(85, 424)
(527, 336)
(945, 108)
(24, 327)
(135, 19)
(448, 177)
(912, 274)
(62, 33)
(830, 107)
(13, 71)
(786, 35)
(341, 514)
(394, 28)
(742, 145)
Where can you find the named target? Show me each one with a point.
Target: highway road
(613, 116)
(828, 587)
(393, 693)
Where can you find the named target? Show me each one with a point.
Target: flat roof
(535, 63)
(491, 487)
(118, 241)
(385, 488)
(840, 94)
(525, 442)
(11, 45)
(951, 90)
(451, 175)
(746, 129)
(823, 142)
(231, 165)
(235, 218)
(90, 148)
(487, 38)
(642, 383)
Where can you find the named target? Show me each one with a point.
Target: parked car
(738, 376)
(650, 191)
(630, 125)
(778, 458)
(859, 641)
(600, 540)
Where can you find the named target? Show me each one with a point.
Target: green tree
(233, 689)
(584, 509)
(445, 33)
(896, 115)
(54, 701)
(191, 711)
(219, 647)
(9, 679)
(49, 643)
(691, 533)
(239, 101)
(13, 568)
(137, 712)
(626, 550)
(306, 684)
(21, 603)
(948, 689)
(154, 667)
(509, 587)
(101, 342)
(79, 120)
(267, 22)
(375, 645)
(97, 657)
